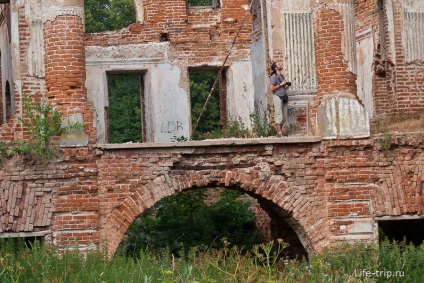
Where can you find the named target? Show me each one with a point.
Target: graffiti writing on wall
(171, 127)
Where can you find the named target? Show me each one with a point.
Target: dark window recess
(8, 96)
(19, 243)
(204, 3)
(215, 113)
(125, 122)
(398, 230)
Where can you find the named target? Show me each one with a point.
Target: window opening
(214, 116)
(108, 15)
(20, 243)
(398, 230)
(125, 121)
(8, 97)
(203, 3)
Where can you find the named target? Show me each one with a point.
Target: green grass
(341, 264)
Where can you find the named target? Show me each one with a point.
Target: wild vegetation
(389, 262)
(398, 123)
(44, 125)
(193, 219)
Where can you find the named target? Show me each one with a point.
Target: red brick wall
(65, 69)
(398, 87)
(332, 70)
(321, 189)
(202, 33)
(257, 24)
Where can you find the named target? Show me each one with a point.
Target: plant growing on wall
(44, 124)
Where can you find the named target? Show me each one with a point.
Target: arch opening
(243, 219)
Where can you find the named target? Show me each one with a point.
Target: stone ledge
(217, 142)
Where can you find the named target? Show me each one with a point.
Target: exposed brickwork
(332, 70)
(88, 196)
(201, 34)
(398, 87)
(321, 189)
(65, 69)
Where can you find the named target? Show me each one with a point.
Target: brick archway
(258, 182)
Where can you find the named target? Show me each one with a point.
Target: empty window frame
(214, 116)
(204, 3)
(125, 119)
(399, 230)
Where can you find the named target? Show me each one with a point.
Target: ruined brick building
(350, 62)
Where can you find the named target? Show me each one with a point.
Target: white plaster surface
(297, 6)
(240, 91)
(353, 119)
(260, 78)
(73, 137)
(365, 57)
(6, 66)
(167, 104)
(342, 118)
(139, 11)
(361, 227)
(416, 6)
(391, 55)
(326, 118)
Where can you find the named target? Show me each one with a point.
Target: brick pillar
(65, 74)
(65, 64)
(333, 73)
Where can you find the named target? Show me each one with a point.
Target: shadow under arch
(274, 196)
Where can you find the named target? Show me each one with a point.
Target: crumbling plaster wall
(394, 31)
(198, 38)
(6, 60)
(166, 102)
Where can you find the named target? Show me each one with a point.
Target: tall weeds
(345, 263)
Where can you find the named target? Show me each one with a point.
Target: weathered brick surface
(398, 86)
(202, 35)
(321, 189)
(89, 197)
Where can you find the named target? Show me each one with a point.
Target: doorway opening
(214, 116)
(125, 119)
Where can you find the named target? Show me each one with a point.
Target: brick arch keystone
(305, 218)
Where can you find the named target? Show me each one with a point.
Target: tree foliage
(107, 15)
(124, 108)
(183, 221)
(200, 86)
(199, 2)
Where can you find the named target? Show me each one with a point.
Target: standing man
(279, 85)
